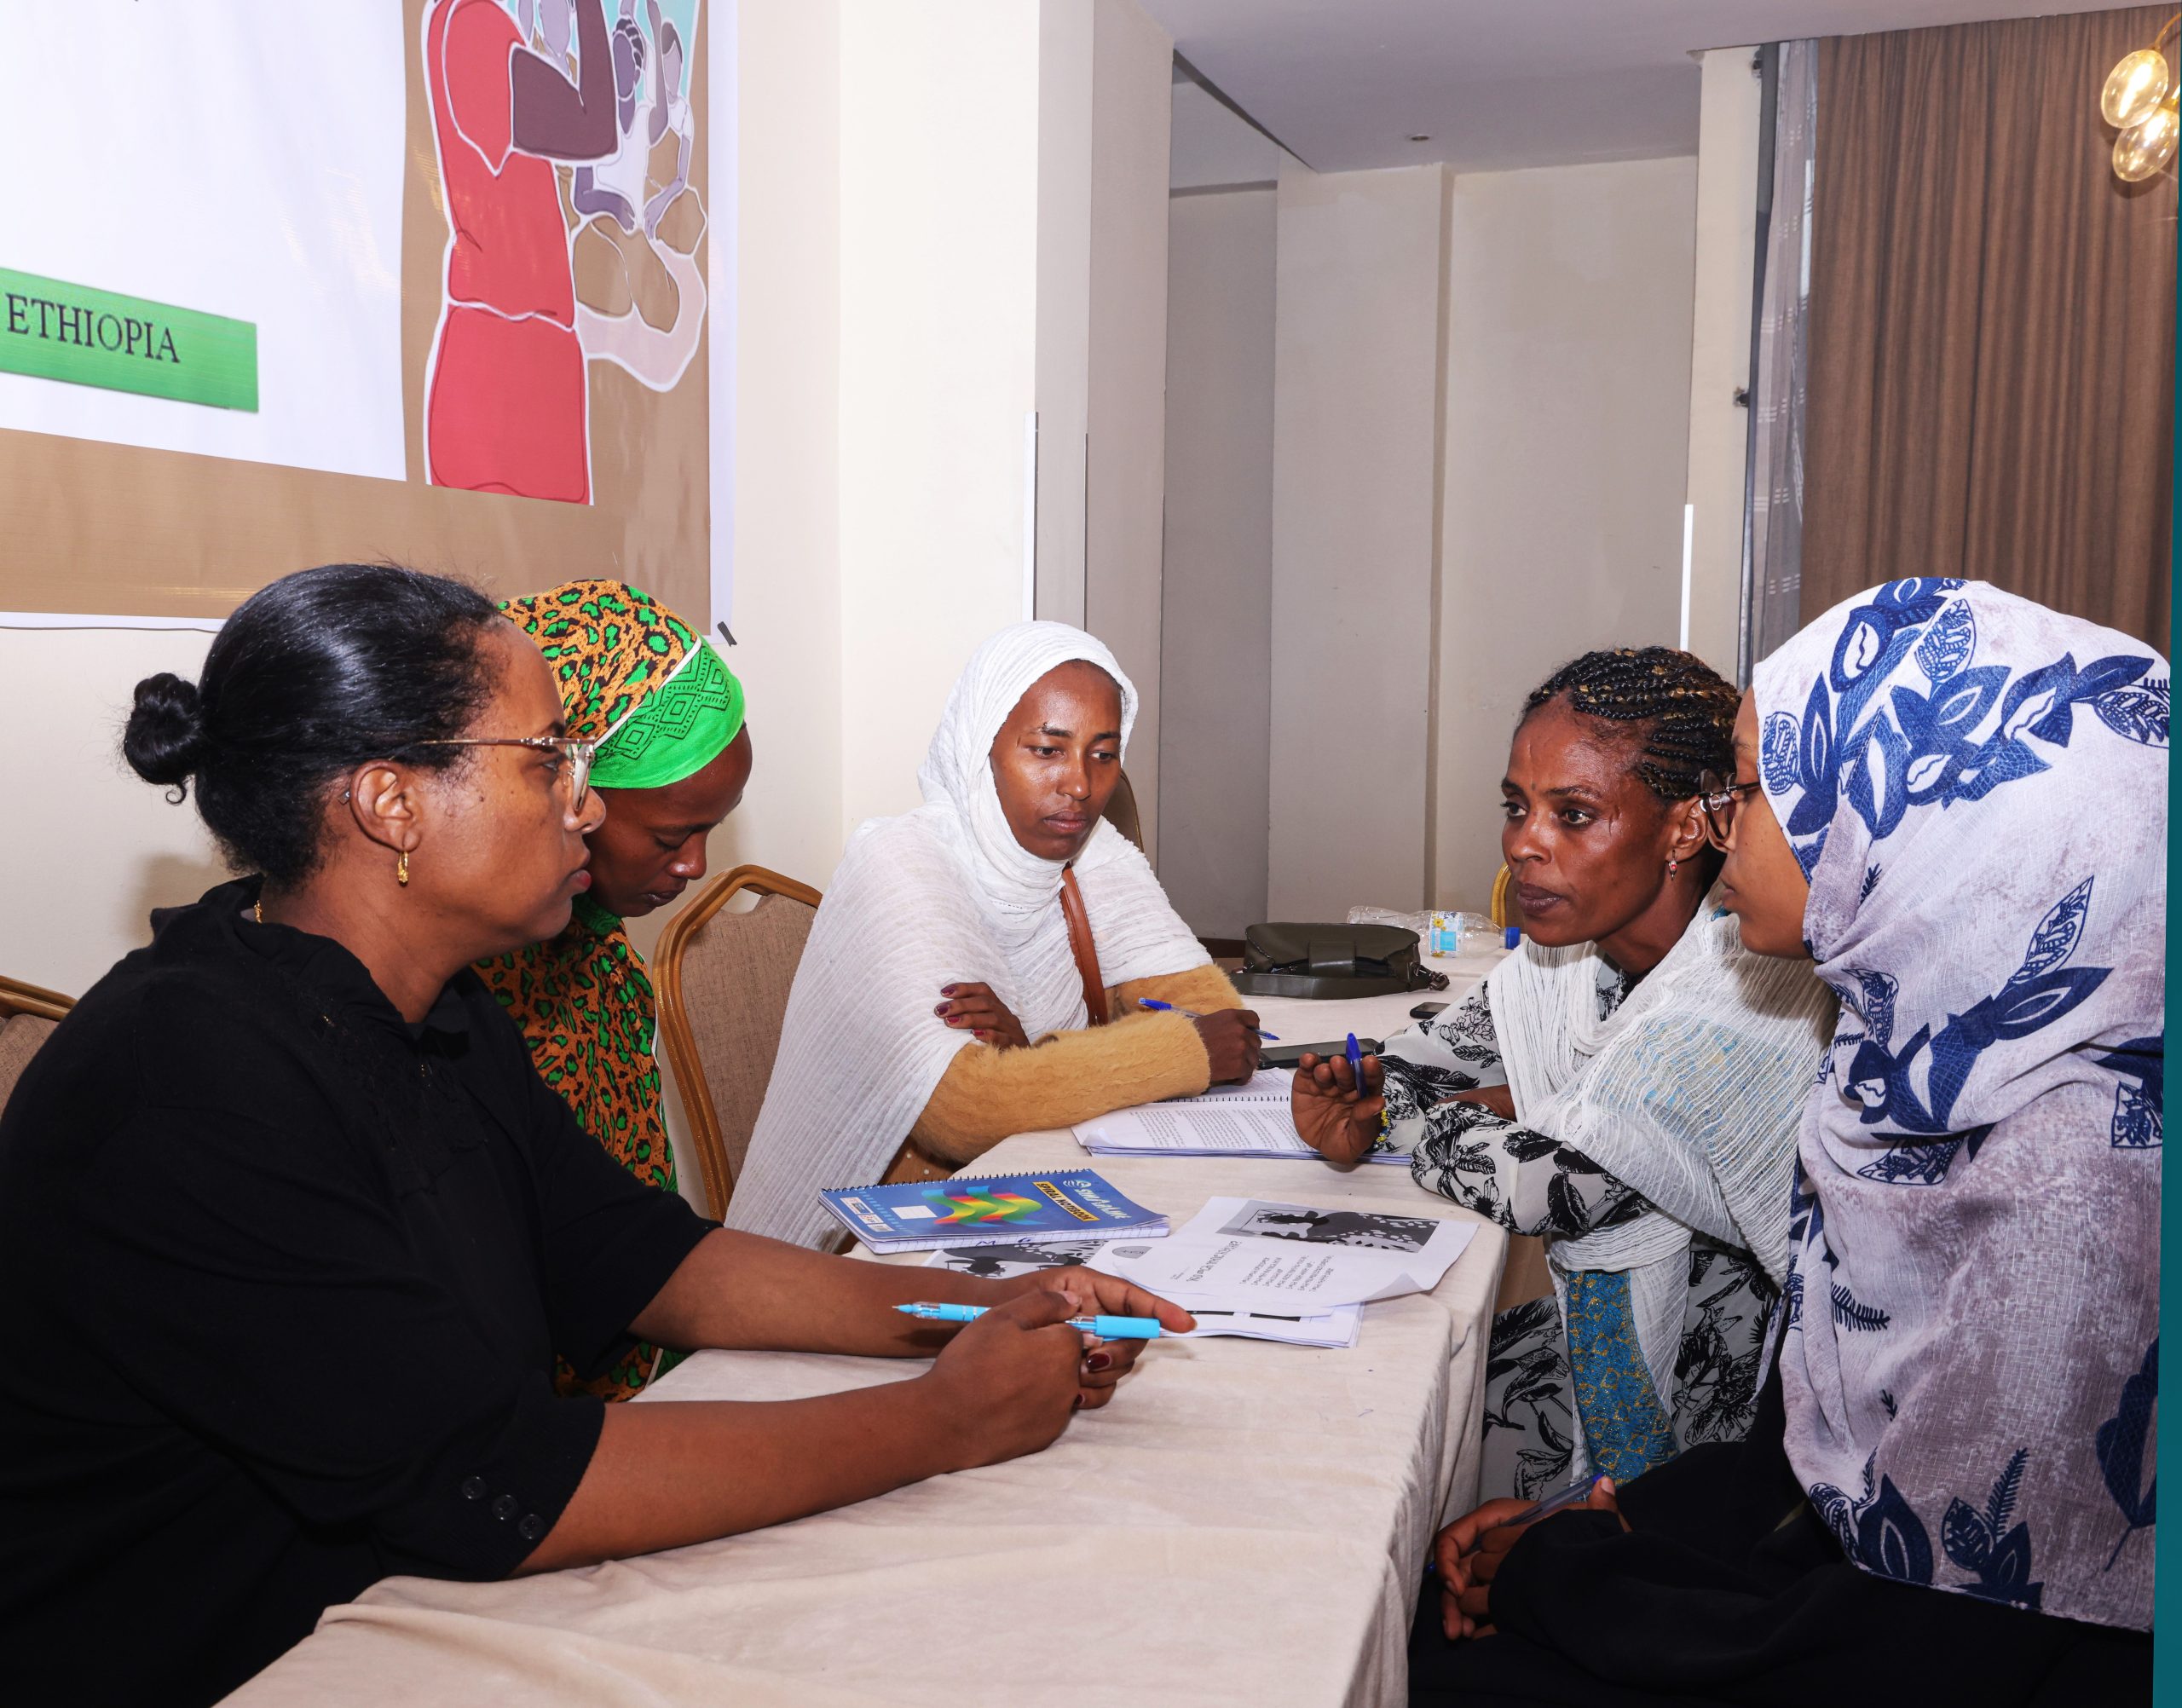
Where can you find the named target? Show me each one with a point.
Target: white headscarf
(1977, 789)
(939, 895)
(1690, 1091)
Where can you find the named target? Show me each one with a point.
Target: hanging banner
(53, 331)
(422, 281)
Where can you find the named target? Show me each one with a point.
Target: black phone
(1425, 1010)
(1287, 1055)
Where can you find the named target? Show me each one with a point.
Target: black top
(281, 1279)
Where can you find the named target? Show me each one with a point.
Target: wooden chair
(1504, 913)
(723, 981)
(1525, 1276)
(28, 1015)
(1121, 812)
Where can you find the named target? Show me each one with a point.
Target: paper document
(1336, 1328)
(1268, 1085)
(1246, 1254)
(1318, 1327)
(1251, 1119)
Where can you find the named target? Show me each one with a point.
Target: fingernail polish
(947, 990)
(1100, 1361)
(941, 1011)
(1079, 1402)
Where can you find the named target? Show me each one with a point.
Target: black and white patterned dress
(1530, 1184)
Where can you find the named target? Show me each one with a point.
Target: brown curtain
(1992, 322)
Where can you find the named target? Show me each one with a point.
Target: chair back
(28, 1014)
(1502, 912)
(1121, 812)
(723, 981)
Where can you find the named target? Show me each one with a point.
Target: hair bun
(164, 741)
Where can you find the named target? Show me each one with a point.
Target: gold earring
(402, 868)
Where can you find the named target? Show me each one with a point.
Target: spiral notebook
(990, 1210)
(1252, 1119)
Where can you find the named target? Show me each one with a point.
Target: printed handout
(1247, 1253)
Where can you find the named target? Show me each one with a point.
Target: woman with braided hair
(1626, 1085)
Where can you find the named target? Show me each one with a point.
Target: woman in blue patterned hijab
(1975, 788)
(1954, 801)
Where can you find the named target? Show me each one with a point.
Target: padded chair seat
(20, 1034)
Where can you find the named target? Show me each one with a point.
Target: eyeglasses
(576, 757)
(1720, 800)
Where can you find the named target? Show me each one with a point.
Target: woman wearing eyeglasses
(291, 1233)
(668, 754)
(1626, 1085)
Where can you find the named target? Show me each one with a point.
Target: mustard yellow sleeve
(1202, 988)
(987, 1093)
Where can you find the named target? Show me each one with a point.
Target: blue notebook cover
(978, 1209)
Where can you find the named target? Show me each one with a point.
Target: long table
(1245, 1524)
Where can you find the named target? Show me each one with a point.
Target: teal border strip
(2167, 1544)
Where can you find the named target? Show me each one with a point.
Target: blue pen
(1356, 1061)
(1103, 1327)
(1169, 1008)
(1574, 1494)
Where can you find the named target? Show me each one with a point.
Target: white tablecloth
(1245, 1524)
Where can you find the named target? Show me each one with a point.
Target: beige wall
(1215, 655)
(1567, 402)
(785, 483)
(1066, 75)
(939, 280)
(1719, 357)
(90, 848)
(1126, 391)
(1360, 271)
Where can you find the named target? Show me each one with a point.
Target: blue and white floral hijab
(1976, 788)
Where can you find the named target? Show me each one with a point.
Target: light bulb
(2135, 89)
(2140, 151)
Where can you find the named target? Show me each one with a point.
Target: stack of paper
(1247, 1255)
(1316, 1328)
(1247, 1120)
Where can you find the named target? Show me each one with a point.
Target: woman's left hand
(1480, 1545)
(974, 1008)
(1090, 1294)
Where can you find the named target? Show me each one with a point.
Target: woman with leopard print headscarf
(673, 758)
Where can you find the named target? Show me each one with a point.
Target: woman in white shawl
(940, 1005)
(1626, 1085)
(1954, 801)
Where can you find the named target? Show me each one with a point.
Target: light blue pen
(1187, 1014)
(1103, 1327)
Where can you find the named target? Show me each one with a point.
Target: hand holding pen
(1012, 1374)
(1230, 1039)
(1336, 1103)
(1469, 1553)
(1099, 1328)
(1153, 1002)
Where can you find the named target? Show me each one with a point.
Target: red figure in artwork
(506, 405)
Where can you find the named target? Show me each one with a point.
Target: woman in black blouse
(289, 1230)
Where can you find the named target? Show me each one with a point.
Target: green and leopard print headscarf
(662, 705)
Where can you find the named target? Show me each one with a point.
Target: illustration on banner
(564, 141)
